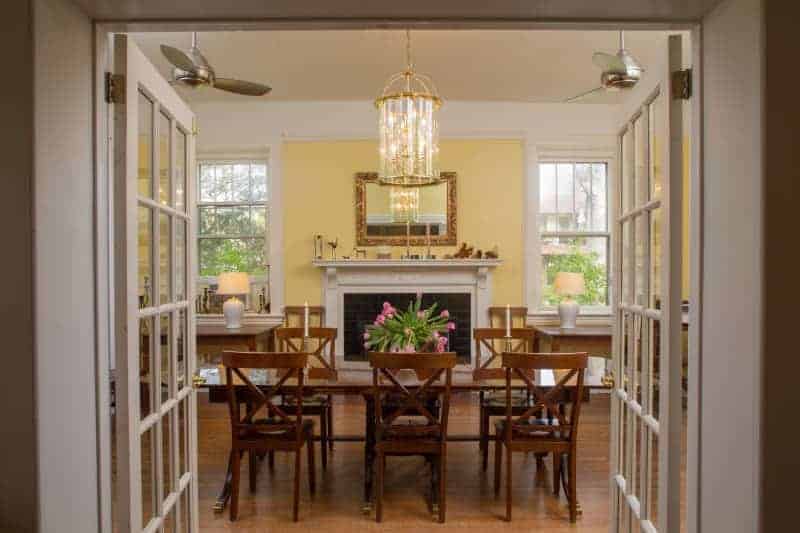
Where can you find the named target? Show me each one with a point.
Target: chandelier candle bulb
(508, 320)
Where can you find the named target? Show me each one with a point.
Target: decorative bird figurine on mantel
(333, 244)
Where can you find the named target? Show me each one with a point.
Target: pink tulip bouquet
(413, 330)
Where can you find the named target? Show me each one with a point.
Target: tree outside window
(573, 223)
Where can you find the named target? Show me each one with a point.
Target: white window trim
(271, 153)
(538, 154)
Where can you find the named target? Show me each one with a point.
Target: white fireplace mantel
(386, 276)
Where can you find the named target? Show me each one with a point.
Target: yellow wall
(319, 194)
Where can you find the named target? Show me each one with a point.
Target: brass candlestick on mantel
(428, 254)
(333, 244)
(318, 247)
(408, 238)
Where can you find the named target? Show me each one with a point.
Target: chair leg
(312, 471)
(498, 465)
(252, 463)
(381, 460)
(271, 460)
(508, 483)
(236, 464)
(442, 485)
(297, 471)
(330, 423)
(556, 473)
(323, 436)
(572, 488)
(484, 436)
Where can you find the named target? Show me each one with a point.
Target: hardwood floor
(470, 499)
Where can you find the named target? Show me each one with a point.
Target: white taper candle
(305, 319)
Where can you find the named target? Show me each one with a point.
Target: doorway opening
(554, 184)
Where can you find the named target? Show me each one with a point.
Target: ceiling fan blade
(178, 58)
(248, 88)
(582, 95)
(608, 62)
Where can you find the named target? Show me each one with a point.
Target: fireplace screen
(360, 311)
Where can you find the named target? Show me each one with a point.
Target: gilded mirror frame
(450, 238)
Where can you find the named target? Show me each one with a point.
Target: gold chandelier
(408, 129)
(404, 204)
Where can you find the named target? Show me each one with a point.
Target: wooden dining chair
(404, 422)
(492, 342)
(279, 430)
(322, 359)
(527, 432)
(293, 315)
(497, 316)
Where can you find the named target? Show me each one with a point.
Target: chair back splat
(320, 348)
(412, 420)
(492, 342)
(291, 365)
(281, 428)
(528, 430)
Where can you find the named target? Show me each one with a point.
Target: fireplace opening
(360, 311)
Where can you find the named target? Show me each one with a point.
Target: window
(573, 226)
(233, 211)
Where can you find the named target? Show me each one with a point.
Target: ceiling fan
(620, 70)
(192, 70)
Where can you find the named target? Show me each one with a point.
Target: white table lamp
(568, 284)
(233, 284)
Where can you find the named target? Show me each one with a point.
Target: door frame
(104, 206)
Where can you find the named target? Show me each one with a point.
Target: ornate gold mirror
(384, 215)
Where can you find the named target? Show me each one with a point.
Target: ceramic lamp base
(233, 309)
(568, 313)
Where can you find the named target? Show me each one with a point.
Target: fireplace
(353, 292)
(360, 310)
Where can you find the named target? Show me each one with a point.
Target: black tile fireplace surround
(360, 311)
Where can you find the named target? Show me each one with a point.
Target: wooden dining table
(358, 385)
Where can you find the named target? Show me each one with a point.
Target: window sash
(556, 211)
(243, 204)
(597, 309)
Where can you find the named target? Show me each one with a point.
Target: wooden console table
(596, 340)
(219, 338)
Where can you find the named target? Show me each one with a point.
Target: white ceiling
(472, 65)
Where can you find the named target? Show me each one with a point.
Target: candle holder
(508, 344)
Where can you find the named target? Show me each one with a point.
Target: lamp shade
(233, 283)
(569, 284)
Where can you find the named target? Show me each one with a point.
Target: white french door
(154, 323)
(646, 401)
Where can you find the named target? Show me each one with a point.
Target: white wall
(257, 123)
(64, 269)
(732, 255)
